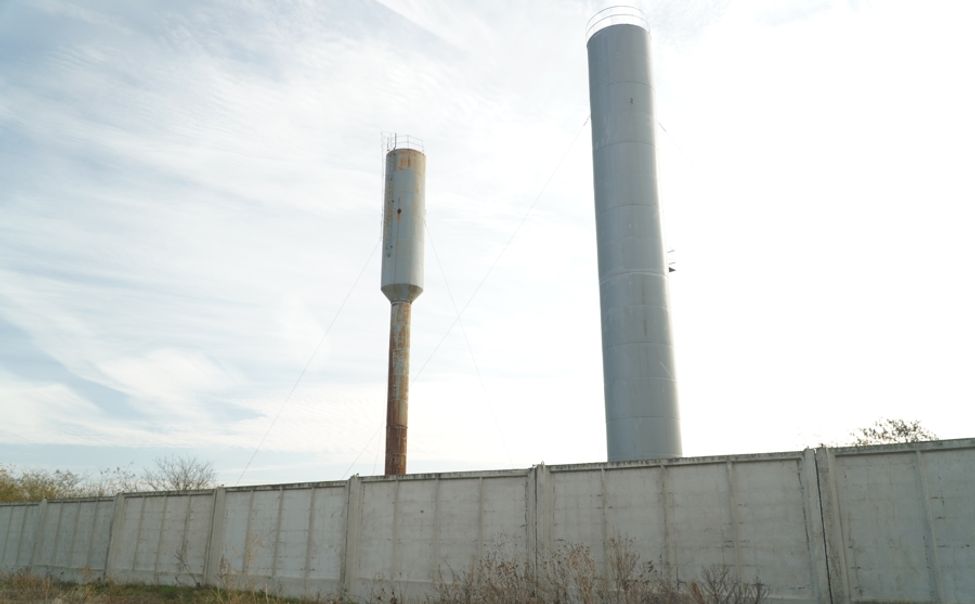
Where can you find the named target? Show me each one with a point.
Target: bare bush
(570, 575)
(180, 474)
(112, 481)
(169, 474)
(719, 586)
(490, 579)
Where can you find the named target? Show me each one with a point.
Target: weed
(717, 586)
(24, 588)
(571, 576)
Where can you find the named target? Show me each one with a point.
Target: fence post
(539, 516)
(813, 515)
(215, 538)
(350, 549)
(38, 534)
(114, 535)
(832, 528)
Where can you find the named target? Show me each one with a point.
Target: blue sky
(190, 200)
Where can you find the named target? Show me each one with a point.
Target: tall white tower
(638, 362)
(402, 281)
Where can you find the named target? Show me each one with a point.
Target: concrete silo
(402, 281)
(638, 364)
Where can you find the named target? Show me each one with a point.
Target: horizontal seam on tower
(606, 278)
(623, 142)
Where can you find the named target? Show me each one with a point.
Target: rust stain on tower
(398, 389)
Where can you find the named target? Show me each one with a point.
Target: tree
(887, 431)
(39, 484)
(112, 481)
(35, 485)
(9, 489)
(169, 474)
(180, 474)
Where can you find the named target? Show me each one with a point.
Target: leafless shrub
(185, 568)
(180, 474)
(488, 580)
(25, 587)
(168, 474)
(570, 575)
(719, 586)
(112, 481)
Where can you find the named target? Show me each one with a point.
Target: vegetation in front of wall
(571, 575)
(23, 588)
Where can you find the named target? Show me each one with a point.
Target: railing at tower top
(403, 141)
(616, 15)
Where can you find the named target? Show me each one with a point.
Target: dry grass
(569, 576)
(572, 576)
(25, 588)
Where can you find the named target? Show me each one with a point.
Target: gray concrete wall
(160, 538)
(409, 533)
(288, 537)
(67, 540)
(756, 515)
(871, 524)
(18, 525)
(901, 522)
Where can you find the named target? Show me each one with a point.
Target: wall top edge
(953, 444)
(287, 486)
(512, 473)
(679, 461)
(66, 500)
(146, 494)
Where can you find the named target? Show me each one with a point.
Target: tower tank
(638, 363)
(402, 281)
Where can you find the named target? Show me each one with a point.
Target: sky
(190, 210)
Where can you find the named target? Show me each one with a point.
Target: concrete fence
(874, 524)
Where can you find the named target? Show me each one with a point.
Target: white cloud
(171, 383)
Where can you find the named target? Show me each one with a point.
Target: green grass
(24, 588)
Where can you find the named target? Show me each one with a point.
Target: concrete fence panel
(71, 539)
(947, 477)
(904, 521)
(18, 525)
(286, 538)
(325, 544)
(753, 515)
(160, 538)
(247, 549)
(413, 532)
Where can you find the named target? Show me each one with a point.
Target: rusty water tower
(402, 280)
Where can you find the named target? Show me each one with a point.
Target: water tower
(402, 280)
(638, 363)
